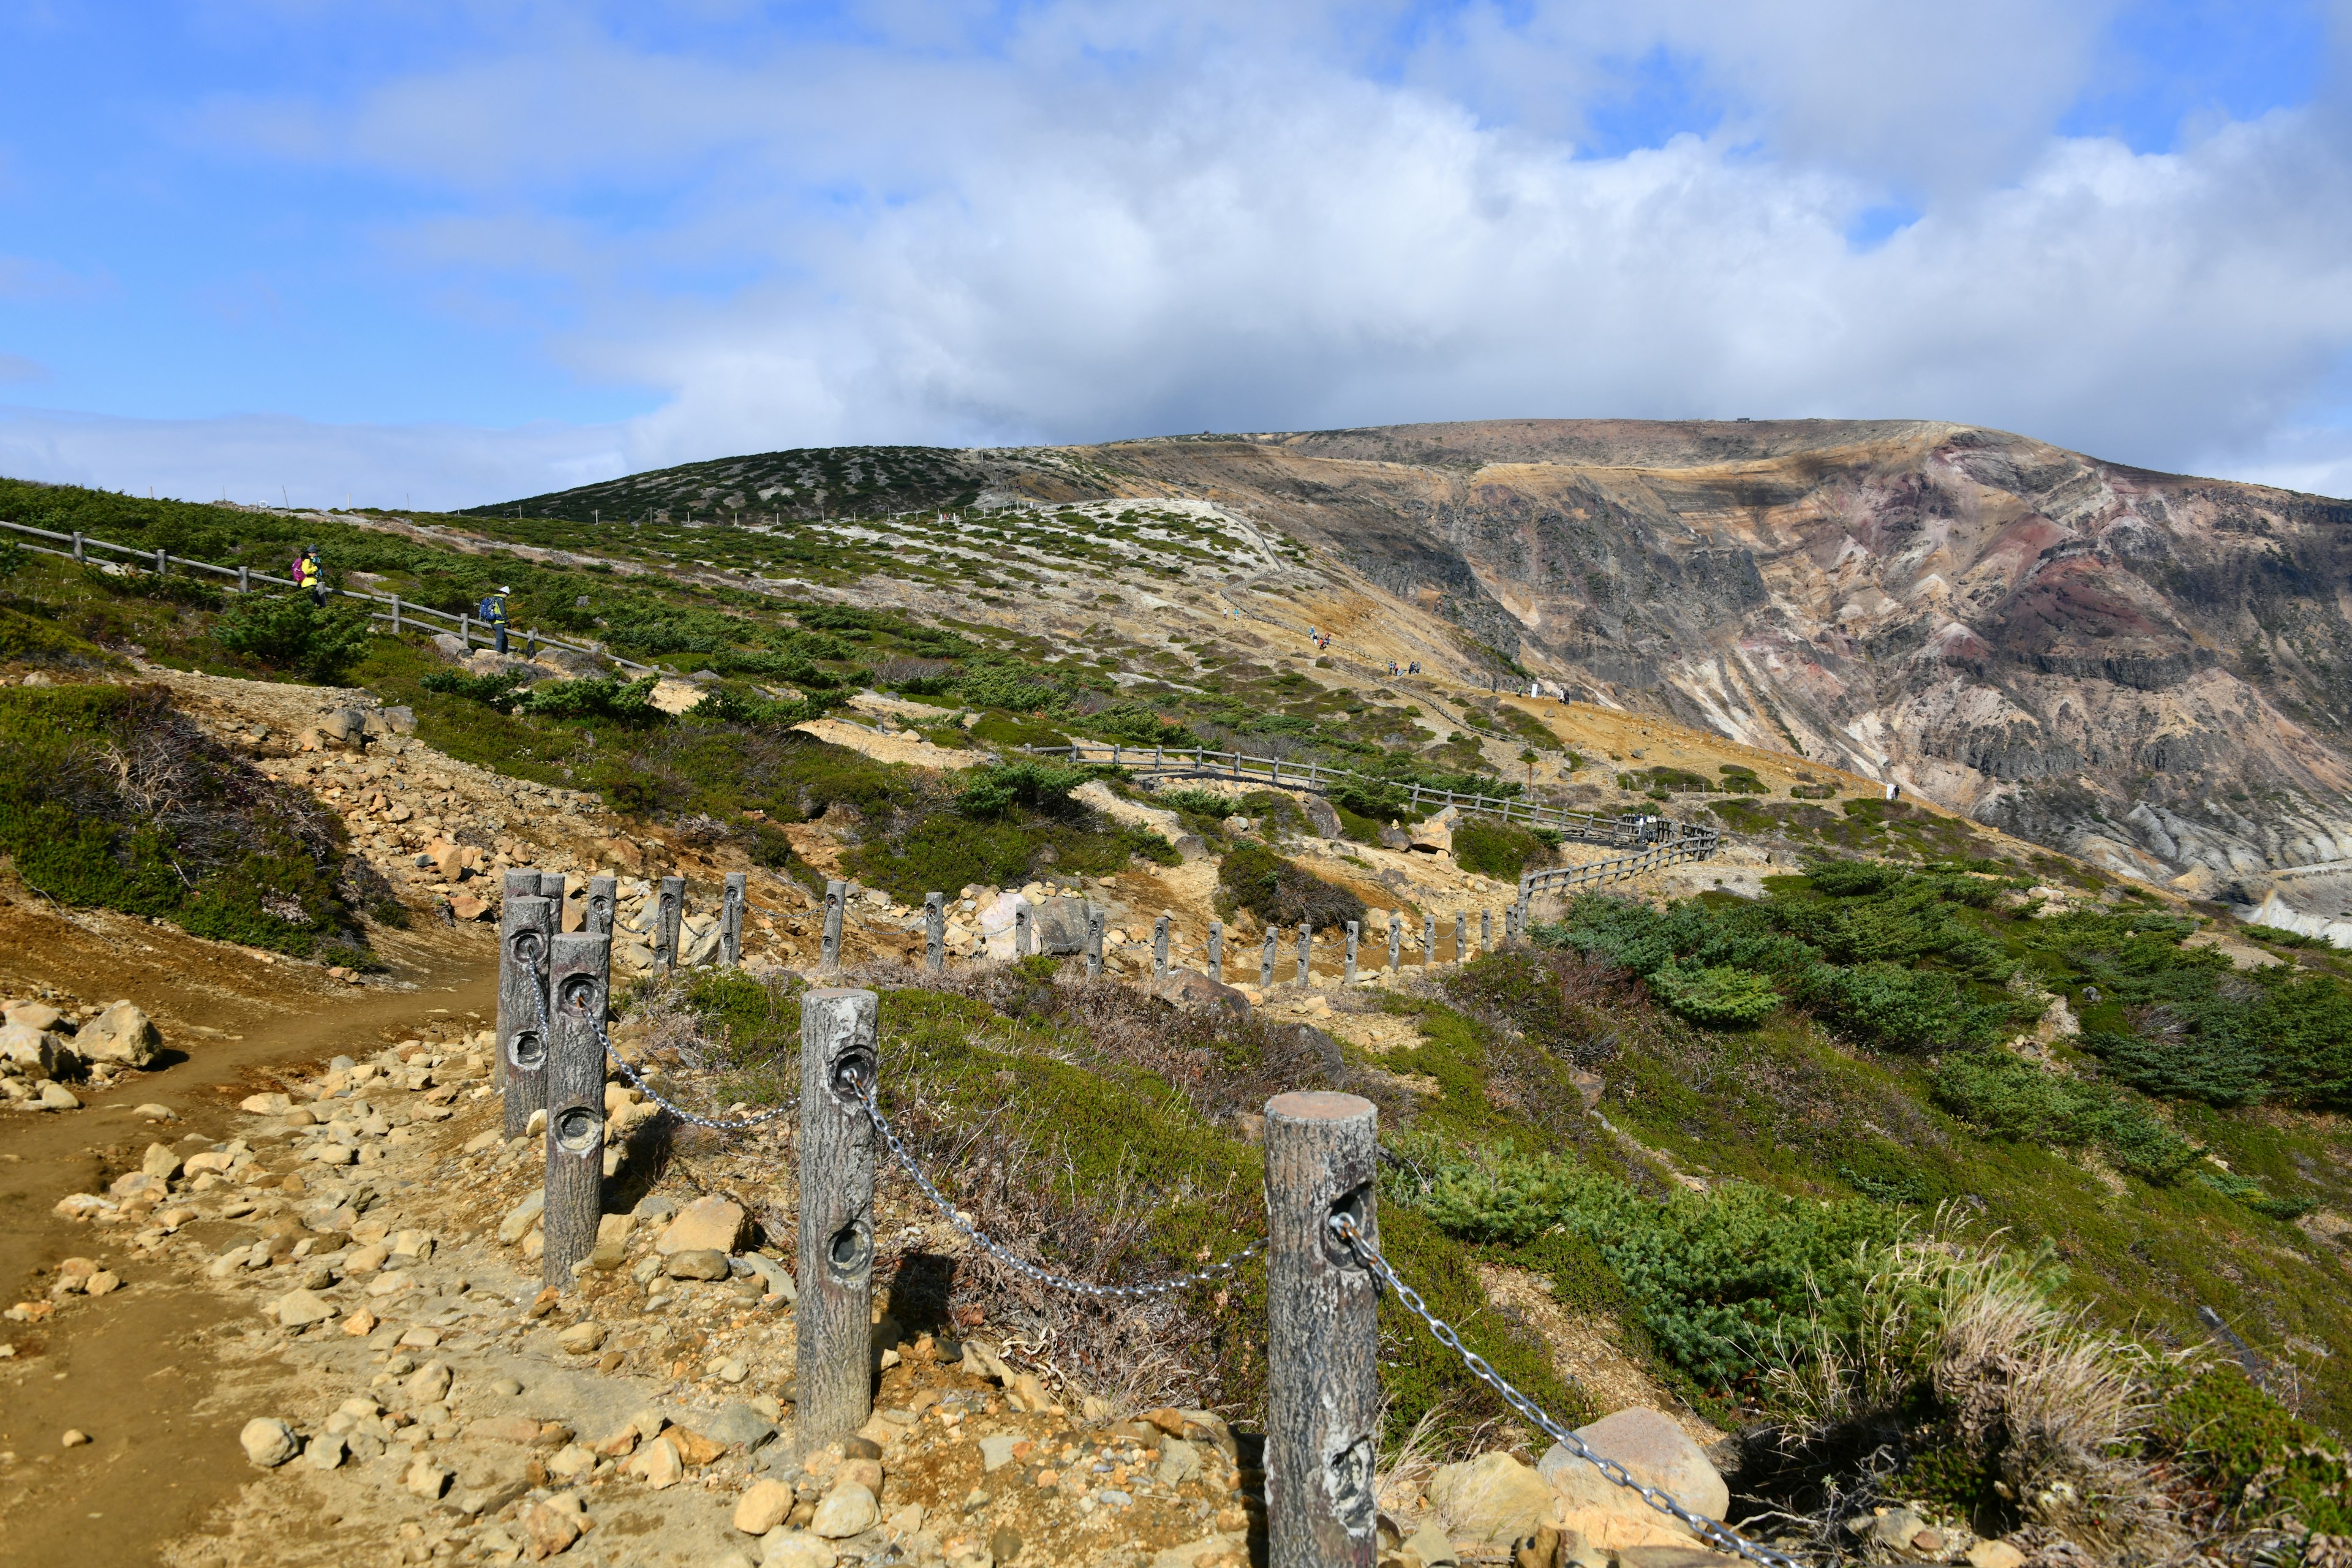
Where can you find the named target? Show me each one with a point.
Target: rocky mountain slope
(2152, 670)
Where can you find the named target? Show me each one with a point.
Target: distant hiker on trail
(309, 575)
(494, 612)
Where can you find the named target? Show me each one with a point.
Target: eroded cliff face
(2151, 670)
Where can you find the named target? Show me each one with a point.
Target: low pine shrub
(1723, 997)
(1498, 849)
(291, 636)
(1280, 892)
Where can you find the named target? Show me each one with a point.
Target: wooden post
(935, 932)
(1461, 933)
(1159, 949)
(527, 926)
(579, 980)
(465, 630)
(161, 562)
(603, 893)
(1217, 951)
(731, 920)
(1396, 941)
(396, 614)
(1352, 932)
(552, 887)
(1305, 953)
(829, 957)
(1428, 940)
(1485, 930)
(78, 556)
(244, 579)
(667, 899)
(1094, 941)
(1024, 932)
(1266, 959)
(839, 1055)
(1323, 1386)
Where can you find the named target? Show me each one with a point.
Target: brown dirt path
(138, 1369)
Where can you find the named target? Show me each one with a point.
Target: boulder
(1492, 1498)
(763, 1507)
(36, 1051)
(998, 916)
(1325, 821)
(1434, 835)
(846, 1509)
(300, 1308)
(160, 1162)
(698, 940)
(268, 1442)
(1061, 926)
(1195, 992)
(1655, 1451)
(709, 1224)
(33, 1015)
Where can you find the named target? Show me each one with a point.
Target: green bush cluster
(2007, 1097)
(1725, 1281)
(1498, 849)
(1881, 953)
(1030, 785)
(289, 634)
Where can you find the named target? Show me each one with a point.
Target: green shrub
(1723, 997)
(1034, 786)
(943, 853)
(1194, 802)
(607, 698)
(2261, 1462)
(2008, 1097)
(1280, 892)
(290, 635)
(1498, 849)
(498, 691)
(1725, 1281)
(1901, 1008)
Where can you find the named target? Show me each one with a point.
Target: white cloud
(1085, 220)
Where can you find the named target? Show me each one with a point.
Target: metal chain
(865, 1097)
(546, 1035)
(1713, 1531)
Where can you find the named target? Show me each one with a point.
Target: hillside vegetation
(1837, 1165)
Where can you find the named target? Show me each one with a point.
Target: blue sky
(437, 253)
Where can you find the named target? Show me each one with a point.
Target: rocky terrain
(2147, 669)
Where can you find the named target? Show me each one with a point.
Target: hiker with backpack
(493, 609)
(310, 575)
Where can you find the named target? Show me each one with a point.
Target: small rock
(703, 1263)
(1179, 1461)
(763, 1507)
(328, 1453)
(550, 1531)
(657, 1464)
(427, 1480)
(1004, 1543)
(580, 1339)
(268, 1442)
(1995, 1554)
(996, 1451)
(160, 1162)
(522, 1216)
(75, 1437)
(300, 1308)
(1492, 1498)
(570, 1462)
(740, 1426)
(58, 1097)
(796, 1549)
(430, 1384)
(709, 1224)
(845, 1510)
(265, 1104)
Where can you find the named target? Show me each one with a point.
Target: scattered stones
(268, 1442)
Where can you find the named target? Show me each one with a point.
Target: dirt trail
(137, 1370)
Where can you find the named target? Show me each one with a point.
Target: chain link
(865, 1097)
(1713, 1531)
